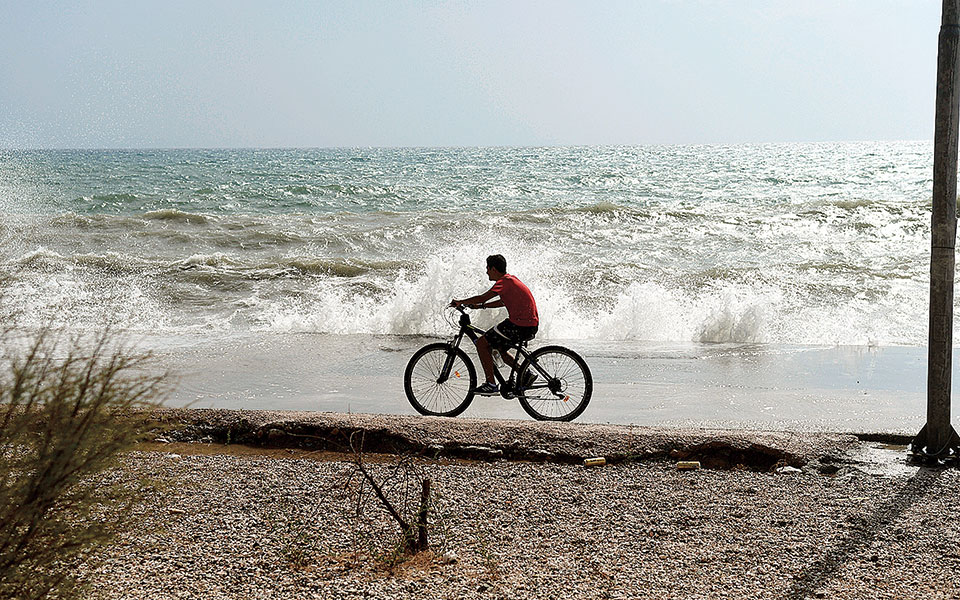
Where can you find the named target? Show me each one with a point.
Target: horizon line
(441, 146)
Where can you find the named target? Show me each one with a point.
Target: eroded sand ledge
(485, 439)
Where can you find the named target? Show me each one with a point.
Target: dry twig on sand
(408, 509)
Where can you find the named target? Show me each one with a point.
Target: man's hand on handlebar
(459, 303)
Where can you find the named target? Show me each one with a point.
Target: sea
(755, 285)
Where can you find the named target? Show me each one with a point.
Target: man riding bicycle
(520, 325)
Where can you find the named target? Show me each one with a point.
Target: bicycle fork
(448, 361)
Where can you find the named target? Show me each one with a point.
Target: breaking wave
(744, 244)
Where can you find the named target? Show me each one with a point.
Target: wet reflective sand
(842, 388)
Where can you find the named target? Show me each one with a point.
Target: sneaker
(528, 378)
(487, 389)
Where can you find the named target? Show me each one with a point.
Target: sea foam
(783, 244)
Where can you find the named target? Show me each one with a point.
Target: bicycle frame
(509, 385)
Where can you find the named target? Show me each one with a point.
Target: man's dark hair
(498, 262)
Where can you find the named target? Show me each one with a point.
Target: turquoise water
(784, 244)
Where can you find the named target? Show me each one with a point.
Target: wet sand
(730, 386)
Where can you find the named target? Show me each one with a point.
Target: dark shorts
(507, 334)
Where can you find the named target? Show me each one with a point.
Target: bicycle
(440, 378)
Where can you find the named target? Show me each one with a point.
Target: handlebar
(461, 307)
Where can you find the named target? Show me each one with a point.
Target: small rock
(449, 557)
(788, 470)
(161, 440)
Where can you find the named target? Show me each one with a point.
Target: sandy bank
(483, 439)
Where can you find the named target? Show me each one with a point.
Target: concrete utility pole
(938, 439)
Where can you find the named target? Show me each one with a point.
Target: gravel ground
(230, 522)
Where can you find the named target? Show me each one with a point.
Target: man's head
(496, 266)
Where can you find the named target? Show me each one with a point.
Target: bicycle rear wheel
(563, 386)
(439, 380)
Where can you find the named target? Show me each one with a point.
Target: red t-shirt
(517, 299)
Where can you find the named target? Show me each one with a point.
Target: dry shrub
(403, 492)
(68, 409)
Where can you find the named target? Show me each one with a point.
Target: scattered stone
(262, 526)
(280, 528)
(788, 470)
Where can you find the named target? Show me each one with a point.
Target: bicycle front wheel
(562, 388)
(439, 380)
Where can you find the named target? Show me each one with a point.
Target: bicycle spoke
(568, 378)
(430, 396)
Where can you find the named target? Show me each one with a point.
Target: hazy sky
(371, 73)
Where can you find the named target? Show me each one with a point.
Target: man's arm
(476, 299)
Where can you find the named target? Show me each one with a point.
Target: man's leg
(486, 358)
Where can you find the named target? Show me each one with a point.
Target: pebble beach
(836, 517)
